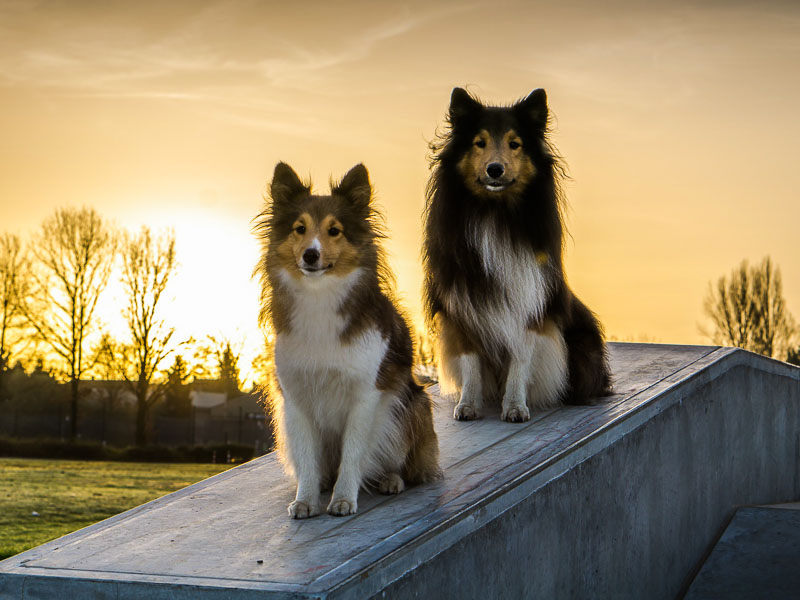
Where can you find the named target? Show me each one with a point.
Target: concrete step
(757, 557)
(621, 499)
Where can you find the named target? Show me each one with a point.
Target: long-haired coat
(510, 329)
(348, 410)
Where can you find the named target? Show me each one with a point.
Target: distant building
(247, 406)
(98, 391)
(205, 401)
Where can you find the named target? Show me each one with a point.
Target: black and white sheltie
(509, 327)
(348, 410)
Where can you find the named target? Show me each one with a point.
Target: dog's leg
(515, 409)
(356, 447)
(391, 483)
(304, 448)
(469, 366)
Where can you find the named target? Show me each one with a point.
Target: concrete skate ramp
(622, 499)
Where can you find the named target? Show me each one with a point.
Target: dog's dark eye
(334, 231)
(481, 144)
(514, 145)
(301, 229)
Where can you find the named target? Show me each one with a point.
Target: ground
(44, 499)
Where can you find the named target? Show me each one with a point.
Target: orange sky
(678, 122)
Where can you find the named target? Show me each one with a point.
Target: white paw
(516, 414)
(302, 510)
(340, 507)
(391, 484)
(465, 412)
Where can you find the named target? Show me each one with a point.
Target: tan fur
(548, 328)
(452, 340)
(452, 343)
(487, 149)
(422, 462)
(336, 253)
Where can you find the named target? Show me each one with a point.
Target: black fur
(531, 218)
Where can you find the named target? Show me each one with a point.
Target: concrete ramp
(623, 499)
(757, 557)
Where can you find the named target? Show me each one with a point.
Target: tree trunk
(73, 410)
(142, 408)
(4, 394)
(141, 421)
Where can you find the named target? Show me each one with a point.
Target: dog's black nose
(494, 170)
(311, 256)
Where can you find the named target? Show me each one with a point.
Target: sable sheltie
(509, 327)
(348, 410)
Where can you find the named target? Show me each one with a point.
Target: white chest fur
(316, 370)
(521, 288)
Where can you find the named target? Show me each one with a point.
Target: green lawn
(68, 495)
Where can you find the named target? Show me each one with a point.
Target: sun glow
(212, 291)
(176, 117)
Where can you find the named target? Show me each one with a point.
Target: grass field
(67, 495)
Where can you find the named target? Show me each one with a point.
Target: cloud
(237, 61)
(201, 53)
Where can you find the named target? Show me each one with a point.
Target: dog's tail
(422, 462)
(589, 374)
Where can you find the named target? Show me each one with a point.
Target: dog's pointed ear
(534, 108)
(355, 186)
(462, 105)
(286, 185)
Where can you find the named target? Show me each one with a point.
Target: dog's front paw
(391, 484)
(516, 414)
(341, 507)
(465, 412)
(302, 510)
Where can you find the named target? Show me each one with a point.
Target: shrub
(88, 450)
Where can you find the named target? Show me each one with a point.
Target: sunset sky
(679, 123)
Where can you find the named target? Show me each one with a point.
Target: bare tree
(14, 283)
(729, 304)
(776, 327)
(148, 263)
(748, 310)
(74, 254)
(793, 356)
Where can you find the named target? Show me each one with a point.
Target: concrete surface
(758, 557)
(622, 500)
